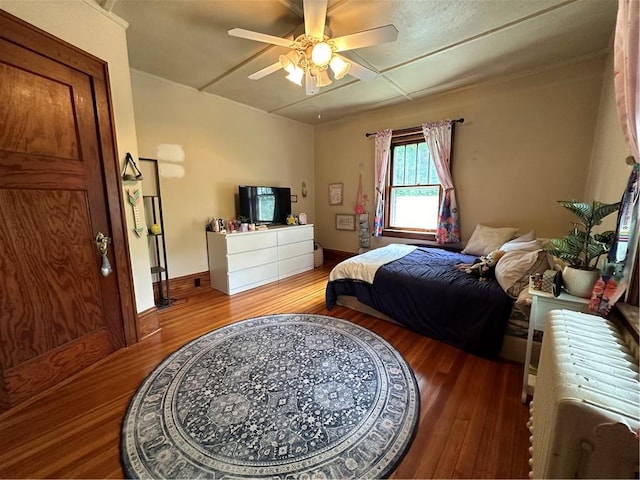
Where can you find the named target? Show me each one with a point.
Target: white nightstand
(541, 304)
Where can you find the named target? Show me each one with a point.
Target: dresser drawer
(252, 277)
(295, 249)
(243, 260)
(294, 265)
(294, 234)
(249, 241)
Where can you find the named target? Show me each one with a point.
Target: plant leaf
(579, 209)
(602, 210)
(605, 237)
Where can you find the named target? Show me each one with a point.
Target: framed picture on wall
(336, 191)
(345, 221)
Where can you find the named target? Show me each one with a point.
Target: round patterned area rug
(296, 396)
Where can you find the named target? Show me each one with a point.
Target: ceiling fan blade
(315, 15)
(266, 71)
(358, 71)
(388, 33)
(260, 37)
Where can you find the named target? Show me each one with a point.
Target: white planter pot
(579, 282)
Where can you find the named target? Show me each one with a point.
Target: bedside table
(541, 304)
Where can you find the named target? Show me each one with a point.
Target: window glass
(414, 189)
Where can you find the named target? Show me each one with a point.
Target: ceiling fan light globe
(321, 54)
(339, 67)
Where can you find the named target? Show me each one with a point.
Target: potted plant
(580, 248)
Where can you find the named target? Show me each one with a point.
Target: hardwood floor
(472, 423)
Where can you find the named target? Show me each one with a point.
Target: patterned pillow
(515, 268)
(487, 239)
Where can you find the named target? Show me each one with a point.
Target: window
(413, 189)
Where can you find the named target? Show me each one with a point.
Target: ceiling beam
(107, 4)
(293, 7)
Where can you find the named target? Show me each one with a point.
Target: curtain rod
(405, 131)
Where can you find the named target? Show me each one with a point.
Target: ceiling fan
(313, 53)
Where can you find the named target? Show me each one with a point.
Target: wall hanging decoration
(363, 216)
(134, 201)
(345, 221)
(363, 232)
(335, 193)
(129, 162)
(359, 198)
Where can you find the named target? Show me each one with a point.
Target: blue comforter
(424, 292)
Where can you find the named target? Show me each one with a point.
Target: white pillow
(487, 239)
(526, 242)
(527, 237)
(514, 269)
(530, 246)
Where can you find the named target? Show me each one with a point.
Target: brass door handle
(102, 244)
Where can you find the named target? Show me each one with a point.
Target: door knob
(102, 243)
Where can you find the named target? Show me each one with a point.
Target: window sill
(430, 237)
(629, 316)
(424, 239)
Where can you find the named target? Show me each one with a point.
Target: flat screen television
(265, 205)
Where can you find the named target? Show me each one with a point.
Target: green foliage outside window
(412, 165)
(414, 190)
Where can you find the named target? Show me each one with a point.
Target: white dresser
(240, 261)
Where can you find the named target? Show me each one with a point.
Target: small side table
(541, 304)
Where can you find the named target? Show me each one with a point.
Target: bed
(420, 288)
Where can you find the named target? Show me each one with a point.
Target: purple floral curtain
(437, 136)
(383, 148)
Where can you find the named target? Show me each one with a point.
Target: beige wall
(226, 144)
(609, 173)
(525, 143)
(88, 27)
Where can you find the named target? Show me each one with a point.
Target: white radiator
(585, 412)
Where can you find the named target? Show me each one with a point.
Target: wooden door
(59, 187)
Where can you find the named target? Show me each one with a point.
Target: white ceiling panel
(426, 26)
(442, 44)
(345, 99)
(186, 41)
(543, 40)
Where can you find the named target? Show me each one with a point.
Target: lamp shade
(322, 79)
(339, 67)
(295, 75)
(286, 63)
(321, 54)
